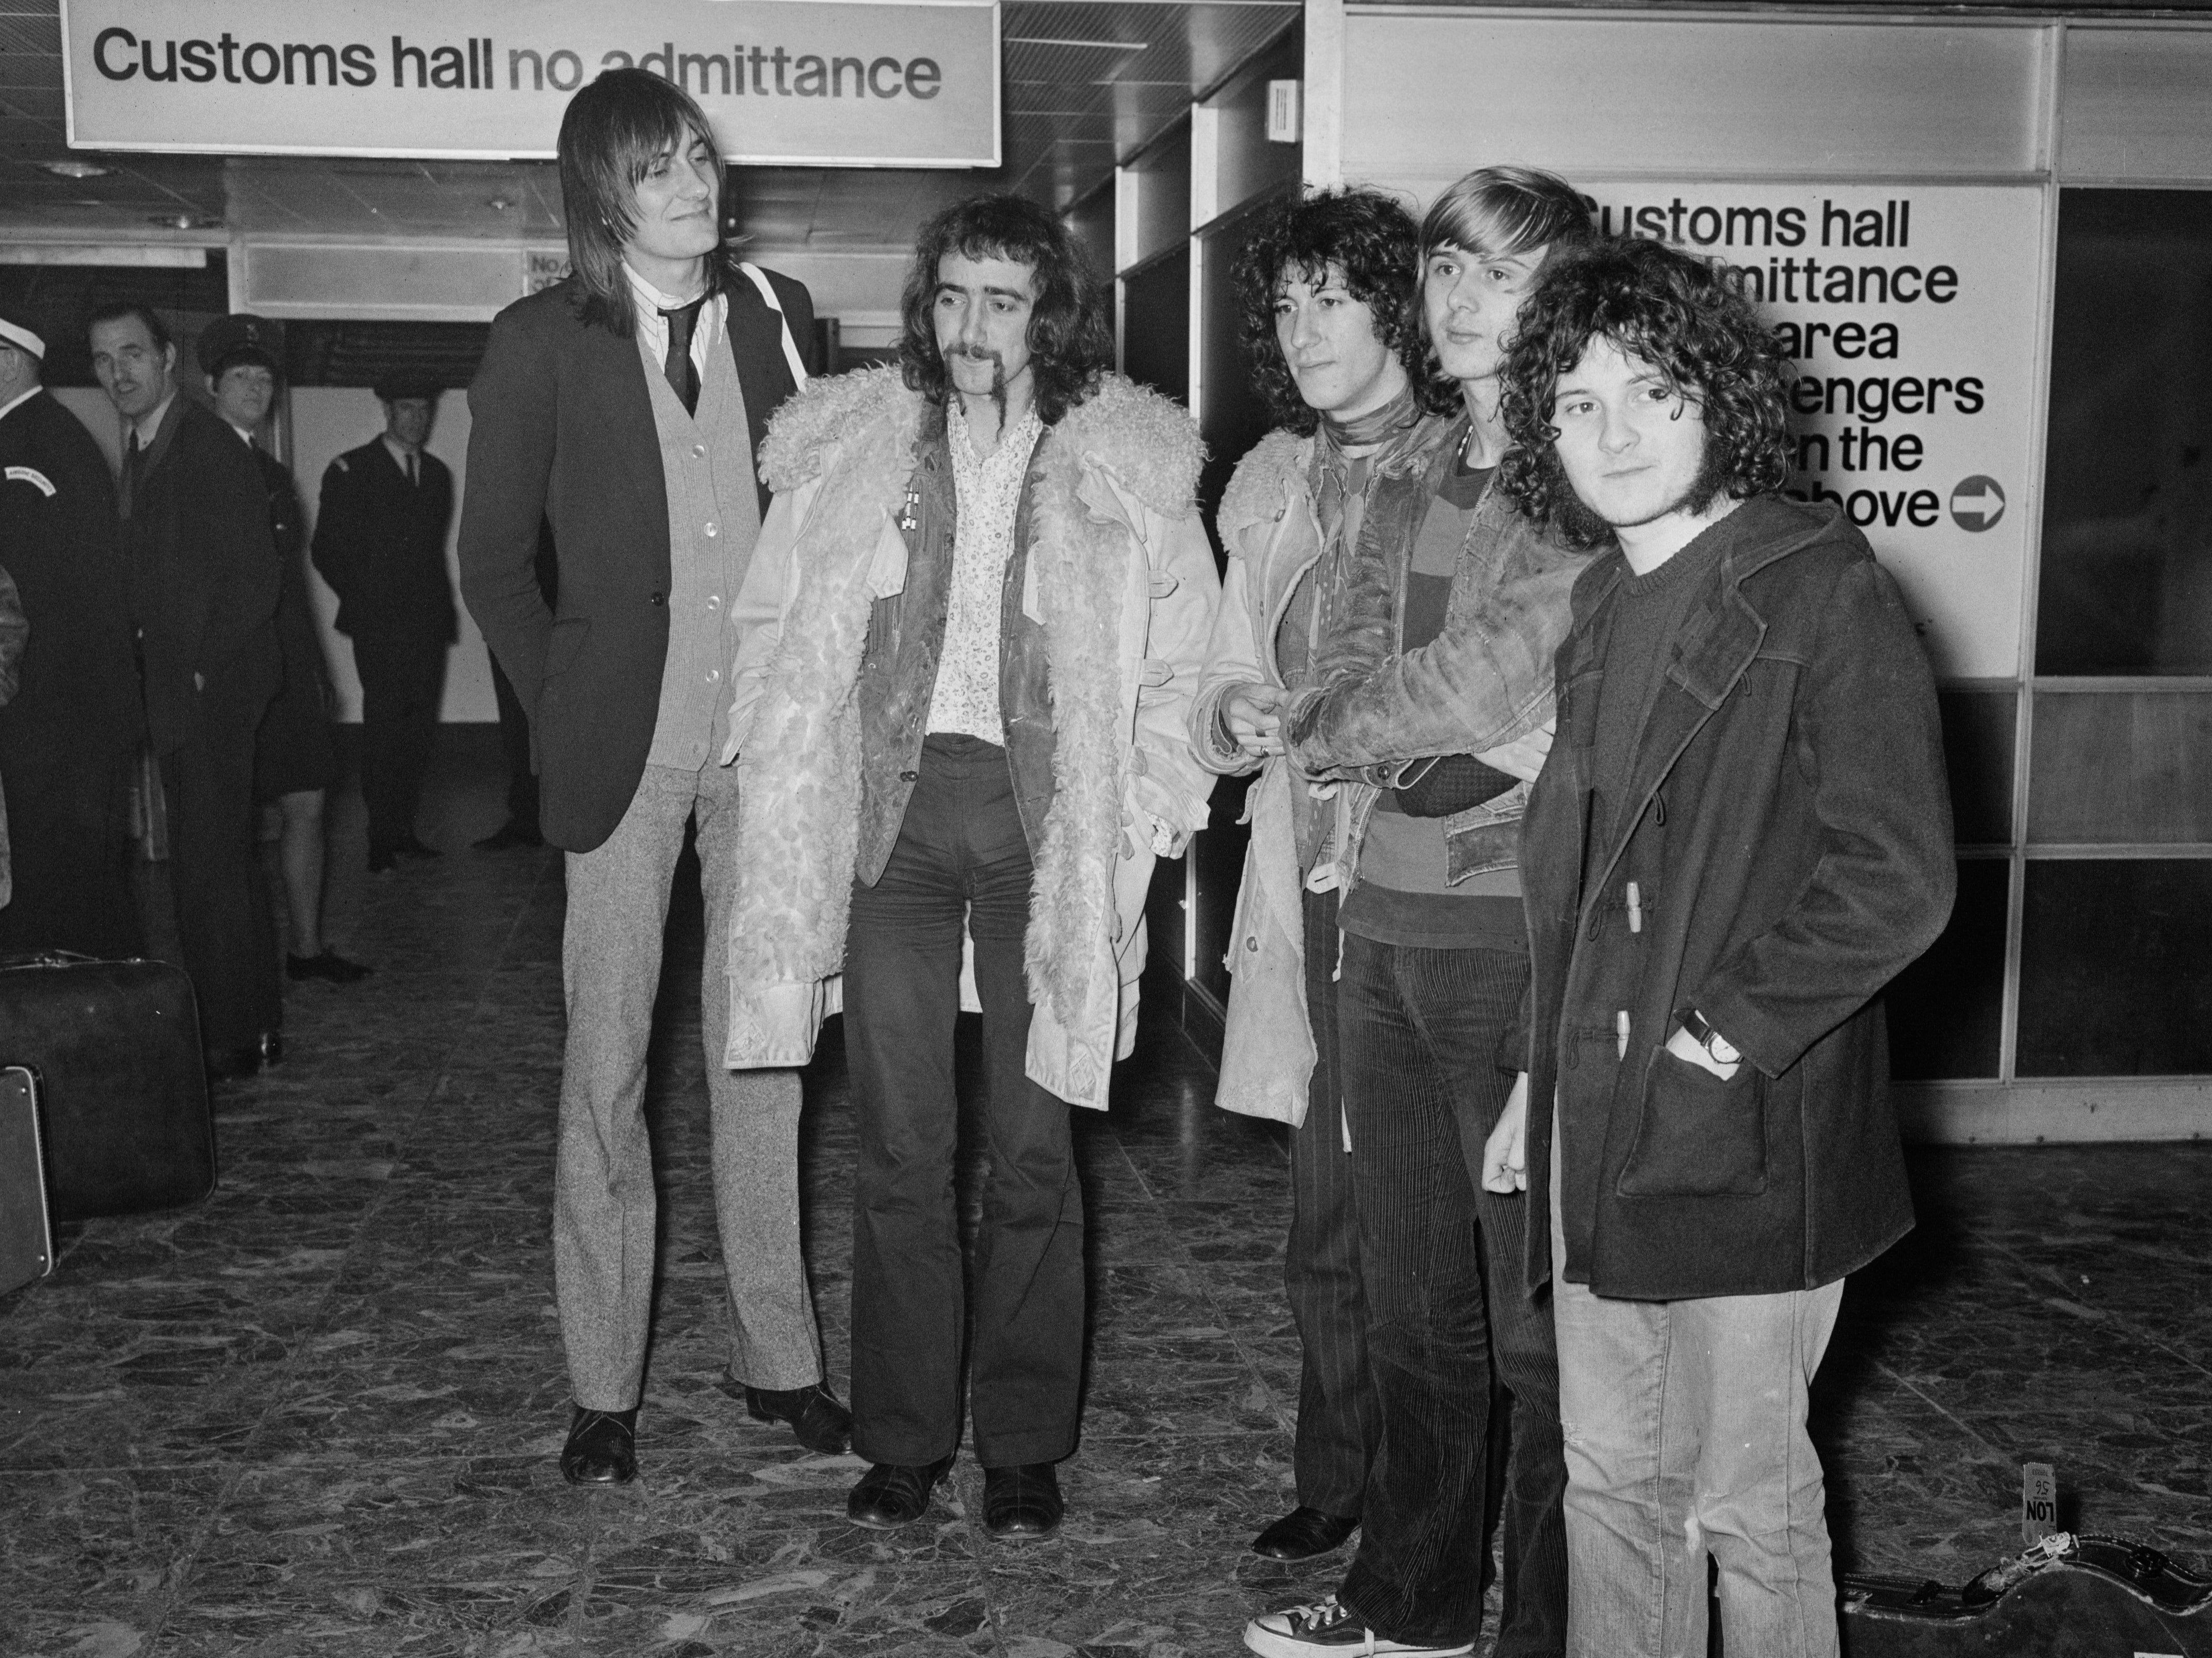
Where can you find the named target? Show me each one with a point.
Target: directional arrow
(1977, 503)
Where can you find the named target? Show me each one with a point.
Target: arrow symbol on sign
(1978, 502)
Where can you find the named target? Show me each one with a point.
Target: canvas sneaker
(1329, 1631)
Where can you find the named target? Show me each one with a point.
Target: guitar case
(2068, 1597)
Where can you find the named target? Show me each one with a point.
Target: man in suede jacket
(1742, 833)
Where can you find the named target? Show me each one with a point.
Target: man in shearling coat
(978, 612)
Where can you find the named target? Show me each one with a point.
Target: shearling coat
(1121, 580)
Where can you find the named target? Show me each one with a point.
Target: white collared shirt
(398, 453)
(987, 500)
(652, 328)
(149, 425)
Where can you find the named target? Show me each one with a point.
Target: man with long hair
(624, 406)
(978, 613)
(1742, 833)
(1325, 289)
(1442, 652)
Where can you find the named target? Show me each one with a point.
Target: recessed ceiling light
(76, 169)
(498, 203)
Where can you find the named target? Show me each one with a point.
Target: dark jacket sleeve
(337, 530)
(1872, 746)
(512, 415)
(13, 631)
(238, 552)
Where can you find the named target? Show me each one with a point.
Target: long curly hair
(1071, 333)
(1367, 236)
(1675, 312)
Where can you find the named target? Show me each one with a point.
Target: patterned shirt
(986, 495)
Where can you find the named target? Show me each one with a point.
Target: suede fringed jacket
(1116, 580)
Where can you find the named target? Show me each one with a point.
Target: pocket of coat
(1699, 1137)
(566, 644)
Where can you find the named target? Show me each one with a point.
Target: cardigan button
(656, 598)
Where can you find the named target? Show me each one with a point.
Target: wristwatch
(1718, 1049)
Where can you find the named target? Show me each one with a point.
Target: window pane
(2113, 980)
(2116, 767)
(1946, 1010)
(1978, 739)
(2127, 517)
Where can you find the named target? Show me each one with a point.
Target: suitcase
(27, 1232)
(116, 1047)
(2068, 1597)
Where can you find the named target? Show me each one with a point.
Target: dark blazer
(562, 430)
(381, 543)
(203, 577)
(78, 702)
(1787, 826)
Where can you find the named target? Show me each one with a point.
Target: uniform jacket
(1787, 827)
(562, 430)
(203, 577)
(1118, 581)
(12, 633)
(297, 641)
(381, 543)
(77, 709)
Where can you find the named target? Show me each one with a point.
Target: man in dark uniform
(295, 762)
(203, 579)
(381, 543)
(68, 739)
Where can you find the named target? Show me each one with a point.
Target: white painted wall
(327, 422)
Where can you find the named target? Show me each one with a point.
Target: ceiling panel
(1086, 85)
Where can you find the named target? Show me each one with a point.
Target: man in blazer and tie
(202, 574)
(624, 406)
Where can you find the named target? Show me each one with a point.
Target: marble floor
(318, 1414)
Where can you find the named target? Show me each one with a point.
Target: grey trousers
(603, 1200)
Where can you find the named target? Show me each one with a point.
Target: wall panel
(1616, 93)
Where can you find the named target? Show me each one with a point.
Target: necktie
(129, 471)
(683, 376)
(412, 481)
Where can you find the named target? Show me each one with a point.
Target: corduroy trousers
(1442, 1266)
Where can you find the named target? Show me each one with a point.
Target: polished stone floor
(318, 1413)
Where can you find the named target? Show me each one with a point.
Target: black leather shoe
(329, 965)
(1022, 1504)
(817, 1420)
(381, 861)
(509, 834)
(1303, 1533)
(889, 1496)
(414, 848)
(602, 1448)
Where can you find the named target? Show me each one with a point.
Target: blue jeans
(1684, 1425)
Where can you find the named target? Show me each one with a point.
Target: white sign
(1913, 313)
(786, 83)
(2038, 1501)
